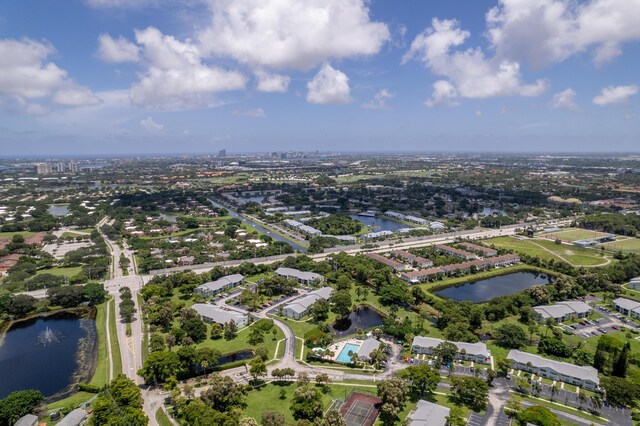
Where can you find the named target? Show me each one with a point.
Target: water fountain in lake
(48, 337)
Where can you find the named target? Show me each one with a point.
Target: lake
(379, 223)
(58, 210)
(363, 317)
(487, 289)
(43, 353)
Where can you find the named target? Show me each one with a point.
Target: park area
(546, 249)
(625, 245)
(574, 234)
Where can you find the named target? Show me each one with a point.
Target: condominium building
(585, 377)
(476, 352)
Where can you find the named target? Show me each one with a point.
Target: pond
(58, 210)
(362, 317)
(236, 356)
(380, 224)
(487, 289)
(50, 354)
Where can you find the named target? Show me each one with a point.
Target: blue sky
(177, 76)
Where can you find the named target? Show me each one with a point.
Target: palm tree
(555, 389)
(596, 402)
(582, 398)
(536, 387)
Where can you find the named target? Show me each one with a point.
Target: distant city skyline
(115, 77)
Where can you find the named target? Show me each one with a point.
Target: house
(475, 247)
(452, 251)
(27, 420)
(429, 414)
(75, 418)
(585, 377)
(393, 264)
(627, 307)
(437, 226)
(415, 277)
(476, 352)
(300, 307)
(634, 284)
(365, 349)
(213, 288)
(376, 235)
(301, 276)
(412, 258)
(186, 260)
(563, 311)
(215, 314)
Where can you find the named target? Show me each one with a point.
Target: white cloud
(546, 31)
(26, 74)
(255, 113)
(469, 72)
(116, 50)
(478, 113)
(379, 100)
(444, 93)
(565, 99)
(176, 76)
(329, 86)
(151, 126)
(615, 95)
(285, 34)
(75, 96)
(272, 83)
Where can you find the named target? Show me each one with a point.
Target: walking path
(107, 323)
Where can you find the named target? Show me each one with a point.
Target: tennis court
(360, 409)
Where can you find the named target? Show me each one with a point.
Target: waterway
(490, 288)
(379, 224)
(50, 354)
(259, 227)
(363, 317)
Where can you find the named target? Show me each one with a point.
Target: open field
(546, 249)
(69, 272)
(267, 398)
(11, 234)
(573, 234)
(628, 245)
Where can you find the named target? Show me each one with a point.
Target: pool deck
(338, 346)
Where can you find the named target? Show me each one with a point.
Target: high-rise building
(73, 166)
(222, 153)
(60, 167)
(43, 168)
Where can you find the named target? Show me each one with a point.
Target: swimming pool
(344, 353)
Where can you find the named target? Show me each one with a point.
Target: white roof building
(211, 313)
(562, 311)
(298, 308)
(300, 276)
(429, 414)
(583, 376)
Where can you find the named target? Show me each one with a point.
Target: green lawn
(240, 342)
(11, 234)
(267, 398)
(573, 234)
(74, 400)
(101, 374)
(162, 418)
(69, 272)
(115, 345)
(630, 245)
(560, 407)
(73, 234)
(536, 247)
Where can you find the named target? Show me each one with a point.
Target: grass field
(267, 398)
(573, 234)
(162, 418)
(546, 249)
(629, 245)
(240, 342)
(69, 272)
(101, 374)
(115, 346)
(11, 234)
